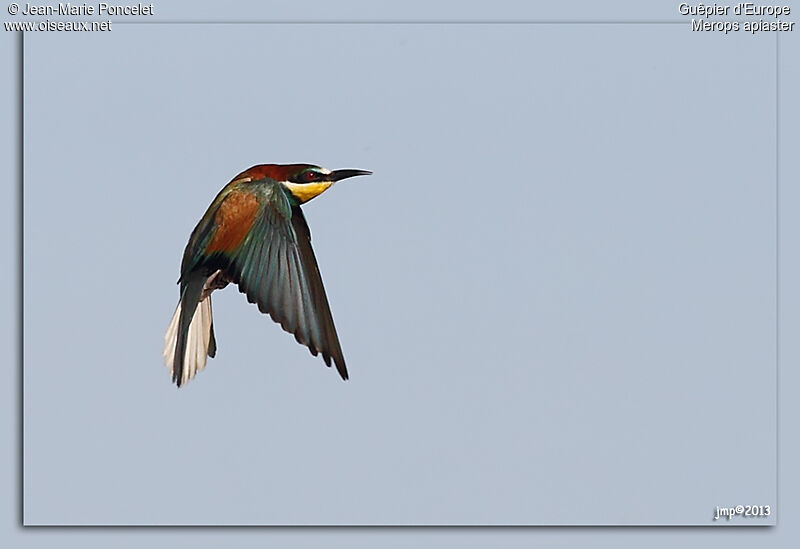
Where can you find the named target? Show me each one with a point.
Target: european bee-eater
(254, 235)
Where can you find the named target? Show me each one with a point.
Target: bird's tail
(199, 342)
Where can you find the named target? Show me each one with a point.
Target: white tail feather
(197, 340)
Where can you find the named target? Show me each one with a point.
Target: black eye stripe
(308, 176)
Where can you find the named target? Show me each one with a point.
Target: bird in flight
(254, 235)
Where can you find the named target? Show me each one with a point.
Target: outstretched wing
(275, 267)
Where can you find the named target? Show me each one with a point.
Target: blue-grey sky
(556, 295)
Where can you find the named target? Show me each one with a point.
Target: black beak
(338, 175)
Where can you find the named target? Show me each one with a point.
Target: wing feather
(275, 268)
(329, 346)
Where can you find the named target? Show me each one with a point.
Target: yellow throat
(306, 191)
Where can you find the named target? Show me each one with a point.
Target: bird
(254, 235)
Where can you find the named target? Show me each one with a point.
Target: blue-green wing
(194, 256)
(276, 269)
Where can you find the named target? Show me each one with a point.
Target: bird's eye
(310, 176)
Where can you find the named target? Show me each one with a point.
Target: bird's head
(305, 181)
